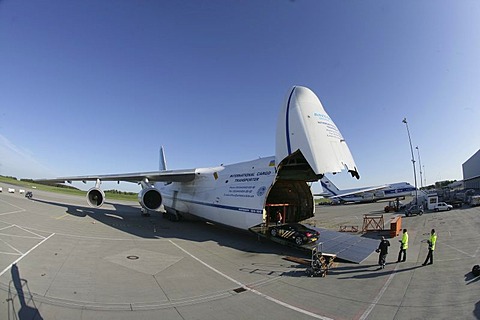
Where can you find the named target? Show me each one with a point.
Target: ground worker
(383, 251)
(431, 247)
(403, 247)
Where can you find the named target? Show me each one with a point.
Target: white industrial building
(471, 172)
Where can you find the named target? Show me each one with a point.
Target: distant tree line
(51, 184)
(114, 191)
(59, 185)
(443, 184)
(438, 185)
(9, 177)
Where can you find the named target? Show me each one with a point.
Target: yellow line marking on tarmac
(61, 217)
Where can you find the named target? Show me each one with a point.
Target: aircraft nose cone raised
(304, 125)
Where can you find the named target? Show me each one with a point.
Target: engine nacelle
(150, 198)
(95, 197)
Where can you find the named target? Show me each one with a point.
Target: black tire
(273, 232)
(299, 241)
(448, 209)
(436, 210)
(420, 213)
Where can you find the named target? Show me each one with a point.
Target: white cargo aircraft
(246, 194)
(366, 194)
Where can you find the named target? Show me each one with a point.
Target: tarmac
(60, 259)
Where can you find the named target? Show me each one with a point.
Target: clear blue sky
(95, 87)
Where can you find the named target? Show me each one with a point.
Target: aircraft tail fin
(162, 166)
(329, 189)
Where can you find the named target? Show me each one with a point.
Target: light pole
(424, 177)
(420, 166)
(413, 160)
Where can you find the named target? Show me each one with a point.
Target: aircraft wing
(360, 191)
(155, 176)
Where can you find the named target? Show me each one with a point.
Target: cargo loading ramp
(347, 247)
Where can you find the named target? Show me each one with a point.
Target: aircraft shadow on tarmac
(470, 278)
(476, 312)
(128, 219)
(21, 291)
(365, 272)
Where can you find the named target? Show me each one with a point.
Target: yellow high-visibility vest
(433, 239)
(405, 241)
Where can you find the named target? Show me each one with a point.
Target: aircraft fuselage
(242, 195)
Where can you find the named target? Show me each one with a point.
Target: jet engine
(95, 197)
(150, 198)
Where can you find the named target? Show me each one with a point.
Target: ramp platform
(348, 247)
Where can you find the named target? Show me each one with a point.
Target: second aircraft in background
(365, 194)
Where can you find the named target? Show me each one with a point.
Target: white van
(442, 206)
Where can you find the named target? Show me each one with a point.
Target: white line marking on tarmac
(379, 295)
(18, 251)
(11, 253)
(24, 229)
(17, 236)
(476, 252)
(5, 213)
(6, 227)
(311, 314)
(21, 257)
(469, 255)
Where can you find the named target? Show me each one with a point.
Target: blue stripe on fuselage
(221, 206)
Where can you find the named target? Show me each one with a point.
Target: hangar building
(471, 172)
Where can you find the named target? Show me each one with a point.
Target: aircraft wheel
(273, 232)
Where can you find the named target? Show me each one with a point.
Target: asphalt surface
(60, 259)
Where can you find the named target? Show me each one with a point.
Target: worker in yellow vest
(431, 247)
(402, 254)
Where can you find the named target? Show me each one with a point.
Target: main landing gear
(145, 212)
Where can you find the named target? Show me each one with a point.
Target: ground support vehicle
(413, 210)
(475, 201)
(442, 206)
(320, 263)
